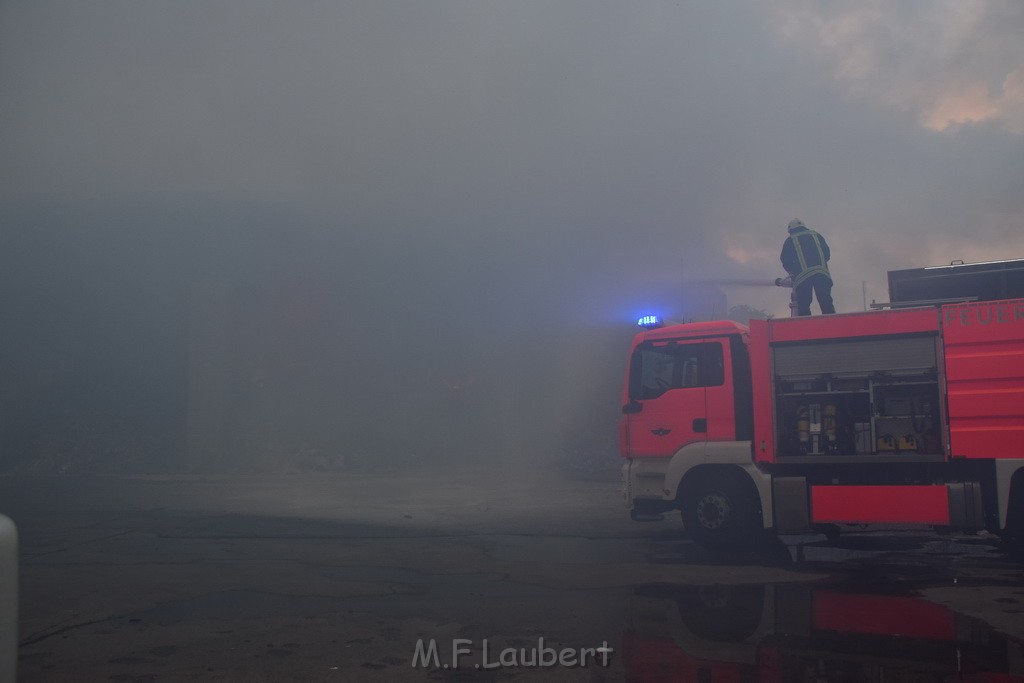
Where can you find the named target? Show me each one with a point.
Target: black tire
(722, 613)
(720, 512)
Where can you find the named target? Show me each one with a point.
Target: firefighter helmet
(795, 224)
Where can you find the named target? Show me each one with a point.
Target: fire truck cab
(910, 414)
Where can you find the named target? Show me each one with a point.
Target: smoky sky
(594, 148)
(520, 176)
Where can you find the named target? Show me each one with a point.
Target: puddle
(807, 632)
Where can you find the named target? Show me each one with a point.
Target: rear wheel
(719, 511)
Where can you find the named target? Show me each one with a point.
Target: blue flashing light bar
(650, 322)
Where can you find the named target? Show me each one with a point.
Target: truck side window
(657, 368)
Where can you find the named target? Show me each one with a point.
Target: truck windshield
(657, 368)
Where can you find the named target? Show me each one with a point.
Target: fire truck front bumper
(643, 486)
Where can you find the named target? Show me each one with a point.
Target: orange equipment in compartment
(829, 423)
(908, 442)
(803, 425)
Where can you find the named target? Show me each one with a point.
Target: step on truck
(911, 413)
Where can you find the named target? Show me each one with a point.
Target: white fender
(737, 453)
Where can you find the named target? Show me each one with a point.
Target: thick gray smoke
(370, 234)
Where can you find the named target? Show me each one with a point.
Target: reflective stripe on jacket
(804, 255)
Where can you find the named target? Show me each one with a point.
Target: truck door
(679, 393)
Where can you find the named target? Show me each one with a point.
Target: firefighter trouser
(816, 285)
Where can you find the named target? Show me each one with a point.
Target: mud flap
(792, 511)
(965, 509)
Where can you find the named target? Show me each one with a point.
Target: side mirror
(632, 407)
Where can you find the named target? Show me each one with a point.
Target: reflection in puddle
(798, 632)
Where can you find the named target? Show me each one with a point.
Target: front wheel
(720, 512)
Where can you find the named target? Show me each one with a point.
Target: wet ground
(336, 577)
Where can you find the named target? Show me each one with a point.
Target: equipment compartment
(870, 397)
(905, 418)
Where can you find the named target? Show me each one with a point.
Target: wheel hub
(713, 511)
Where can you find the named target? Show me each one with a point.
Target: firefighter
(805, 256)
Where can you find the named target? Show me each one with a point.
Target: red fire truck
(912, 414)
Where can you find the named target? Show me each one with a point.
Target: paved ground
(336, 577)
